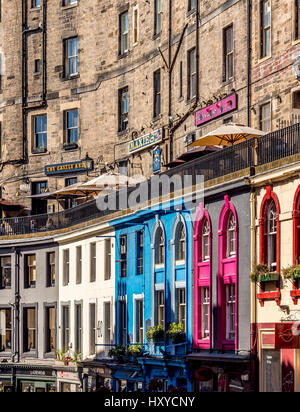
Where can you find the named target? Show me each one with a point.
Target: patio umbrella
(228, 135)
(110, 179)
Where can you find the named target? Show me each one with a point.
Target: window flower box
(291, 272)
(156, 334)
(70, 146)
(262, 273)
(176, 333)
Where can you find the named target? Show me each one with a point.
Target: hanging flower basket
(176, 333)
(156, 334)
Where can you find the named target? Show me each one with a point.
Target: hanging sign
(216, 110)
(156, 160)
(143, 142)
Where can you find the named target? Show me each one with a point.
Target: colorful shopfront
(221, 344)
(275, 280)
(153, 290)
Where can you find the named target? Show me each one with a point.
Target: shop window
(30, 271)
(5, 330)
(39, 206)
(72, 202)
(5, 272)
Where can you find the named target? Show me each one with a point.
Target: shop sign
(36, 372)
(287, 335)
(5, 371)
(156, 160)
(71, 167)
(216, 110)
(146, 141)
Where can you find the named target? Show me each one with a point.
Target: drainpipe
(197, 50)
(170, 80)
(249, 8)
(253, 301)
(16, 355)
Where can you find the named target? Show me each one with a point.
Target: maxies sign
(146, 141)
(71, 167)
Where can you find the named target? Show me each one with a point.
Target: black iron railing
(274, 146)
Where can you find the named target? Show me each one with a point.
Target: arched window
(269, 229)
(160, 247)
(231, 236)
(205, 255)
(228, 277)
(180, 243)
(295, 293)
(271, 235)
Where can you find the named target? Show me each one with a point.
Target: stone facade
(102, 73)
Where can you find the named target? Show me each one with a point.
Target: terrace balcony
(244, 159)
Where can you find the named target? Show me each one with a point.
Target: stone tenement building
(121, 82)
(94, 77)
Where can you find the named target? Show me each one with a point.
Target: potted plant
(156, 334)
(291, 272)
(262, 273)
(176, 333)
(118, 353)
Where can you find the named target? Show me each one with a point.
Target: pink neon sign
(216, 110)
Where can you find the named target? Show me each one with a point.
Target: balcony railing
(274, 146)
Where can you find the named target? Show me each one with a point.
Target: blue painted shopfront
(154, 282)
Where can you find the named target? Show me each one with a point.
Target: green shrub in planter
(291, 272)
(155, 333)
(176, 333)
(262, 273)
(117, 351)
